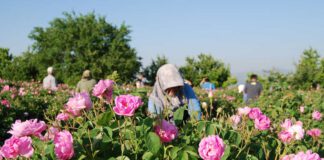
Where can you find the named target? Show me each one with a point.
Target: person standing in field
(207, 85)
(252, 89)
(170, 93)
(86, 83)
(49, 81)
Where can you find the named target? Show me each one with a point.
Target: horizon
(249, 36)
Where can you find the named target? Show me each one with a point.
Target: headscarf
(167, 76)
(86, 74)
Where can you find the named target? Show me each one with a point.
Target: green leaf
(153, 142)
(201, 126)
(50, 150)
(122, 158)
(105, 118)
(82, 157)
(211, 129)
(147, 156)
(227, 152)
(183, 156)
(178, 115)
(174, 152)
(108, 134)
(250, 157)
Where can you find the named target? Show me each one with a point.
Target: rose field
(112, 123)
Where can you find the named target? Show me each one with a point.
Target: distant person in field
(241, 90)
(141, 81)
(252, 89)
(49, 81)
(86, 83)
(170, 93)
(207, 85)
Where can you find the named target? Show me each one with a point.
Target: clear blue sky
(247, 35)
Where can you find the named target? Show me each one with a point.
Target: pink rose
(302, 109)
(297, 131)
(262, 122)
(244, 111)
(288, 157)
(125, 105)
(5, 103)
(230, 98)
(27, 128)
(235, 119)
(308, 155)
(166, 131)
(13, 96)
(63, 142)
(15, 147)
(211, 148)
(210, 94)
(22, 92)
(255, 113)
(300, 123)
(315, 132)
(62, 117)
(285, 136)
(317, 115)
(5, 88)
(50, 134)
(77, 103)
(286, 124)
(104, 89)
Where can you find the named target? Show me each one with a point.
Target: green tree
(5, 60)
(320, 74)
(307, 70)
(78, 42)
(150, 71)
(206, 66)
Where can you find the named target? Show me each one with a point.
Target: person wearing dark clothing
(252, 89)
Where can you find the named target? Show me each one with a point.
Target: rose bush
(271, 128)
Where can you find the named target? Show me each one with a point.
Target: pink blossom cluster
(211, 148)
(261, 121)
(125, 105)
(235, 119)
(20, 143)
(317, 115)
(315, 132)
(230, 98)
(5, 103)
(5, 88)
(308, 155)
(166, 131)
(75, 106)
(104, 89)
(22, 92)
(291, 132)
(50, 134)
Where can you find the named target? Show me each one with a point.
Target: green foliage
(206, 66)
(23, 67)
(114, 76)
(151, 70)
(77, 42)
(307, 70)
(5, 59)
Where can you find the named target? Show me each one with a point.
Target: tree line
(77, 42)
